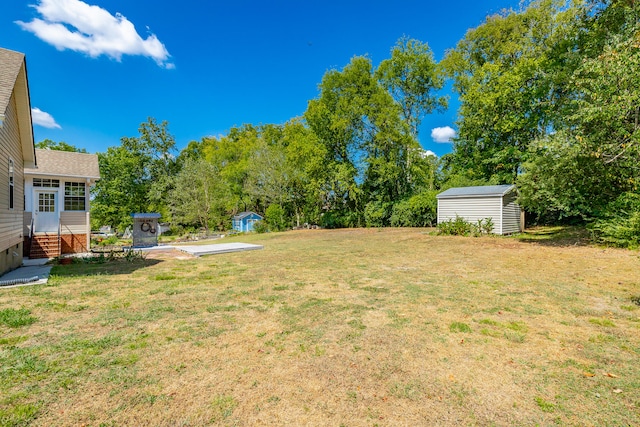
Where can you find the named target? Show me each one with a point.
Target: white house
(57, 203)
(497, 202)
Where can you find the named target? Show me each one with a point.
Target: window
(46, 202)
(48, 183)
(11, 184)
(74, 196)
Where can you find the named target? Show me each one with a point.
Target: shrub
(260, 227)
(275, 218)
(457, 227)
(484, 226)
(376, 214)
(340, 219)
(619, 223)
(401, 214)
(461, 227)
(109, 241)
(417, 211)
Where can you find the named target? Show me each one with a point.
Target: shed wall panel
(471, 209)
(510, 214)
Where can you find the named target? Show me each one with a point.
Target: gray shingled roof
(479, 191)
(65, 163)
(242, 215)
(10, 64)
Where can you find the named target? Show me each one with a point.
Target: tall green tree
(305, 158)
(269, 175)
(580, 171)
(135, 176)
(48, 144)
(510, 74)
(339, 119)
(121, 190)
(412, 78)
(155, 147)
(368, 145)
(231, 154)
(199, 196)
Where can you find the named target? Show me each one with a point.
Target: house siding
(73, 222)
(471, 209)
(11, 219)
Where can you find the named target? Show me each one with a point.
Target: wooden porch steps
(45, 246)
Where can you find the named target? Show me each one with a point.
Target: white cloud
(43, 119)
(443, 134)
(424, 153)
(78, 26)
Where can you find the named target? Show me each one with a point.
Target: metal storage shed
(497, 202)
(145, 229)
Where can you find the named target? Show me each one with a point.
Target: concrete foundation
(10, 258)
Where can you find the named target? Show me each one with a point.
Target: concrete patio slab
(219, 248)
(25, 276)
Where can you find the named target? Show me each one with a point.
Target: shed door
(46, 212)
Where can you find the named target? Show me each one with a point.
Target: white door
(46, 212)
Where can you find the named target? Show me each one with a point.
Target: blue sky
(98, 68)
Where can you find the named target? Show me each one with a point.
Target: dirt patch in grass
(347, 327)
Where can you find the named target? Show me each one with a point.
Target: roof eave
(93, 178)
(467, 196)
(23, 103)
(507, 190)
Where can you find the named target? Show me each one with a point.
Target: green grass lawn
(348, 327)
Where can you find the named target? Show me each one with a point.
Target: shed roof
(65, 163)
(243, 215)
(151, 215)
(478, 191)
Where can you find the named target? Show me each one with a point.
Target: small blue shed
(244, 221)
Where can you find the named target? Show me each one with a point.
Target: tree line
(549, 100)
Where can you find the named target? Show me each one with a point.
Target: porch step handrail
(59, 233)
(31, 235)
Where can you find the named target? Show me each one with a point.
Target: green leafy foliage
(275, 218)
(260, 227)
(417, 211)
(376, 214)
(198, 196)
(504, 72)
(136, 176)
(619, 224)
(562, 181)
(457, 227)
(462, 227)
(48, 144)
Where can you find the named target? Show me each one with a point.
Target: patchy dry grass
(349, 327)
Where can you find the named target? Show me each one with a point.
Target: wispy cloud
(443, 134)
(78, 26)
(43, 119)
(426, 153)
